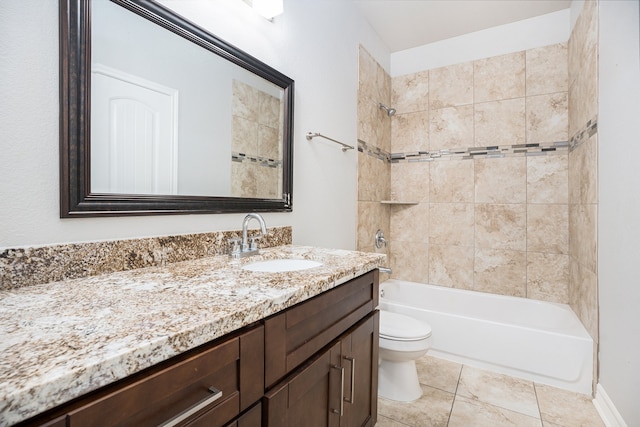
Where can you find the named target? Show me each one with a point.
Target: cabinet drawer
(294, 335)
(160, 396)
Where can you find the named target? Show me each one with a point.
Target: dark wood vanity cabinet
(207, 386)
(338, 387)
(322, 359)
(314, 364)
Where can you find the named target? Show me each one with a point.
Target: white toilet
(403, 339)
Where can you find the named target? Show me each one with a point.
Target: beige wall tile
(583, 172)
(589, 171)
(373, 178)
(244, 182)
(410, 93)
(547, 118)
(583, 235)
(451, 127)
(269, 142)
(409, 261)
(499, 123)
(410, 132)
(410, 223)
(451, 86)
(371, 217)
(548, 178)
(451, 266)
(245, 101)
(383, 84)
(452, 181)
(410, 181)
(547, 69)
(383, 130)
(583, 296)
(451, 224)
(244, 135)
(367, 121)
(548, 277)
(267, 180)
(500, 271)
(501, 180)
(548, 228)
(499, 77)
(367, 74)
(574, 171)
(583, 69)
(500, 226)
(268, 110)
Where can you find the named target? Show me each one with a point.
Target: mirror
(159, 116)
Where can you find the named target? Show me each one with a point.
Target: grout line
(535, 390)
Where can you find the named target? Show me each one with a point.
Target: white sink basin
(281, 265)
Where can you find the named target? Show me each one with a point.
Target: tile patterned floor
(458, 395)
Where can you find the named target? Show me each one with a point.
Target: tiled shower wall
(492, 210)
(583, 168)
(494, 168)
(479, 155)
(256, 160)
(374, 169)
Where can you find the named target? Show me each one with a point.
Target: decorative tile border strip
(373, 151)
(515, 150)
(587, 131)
(34, 265)
(262, 161)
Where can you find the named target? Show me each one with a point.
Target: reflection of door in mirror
(134, 139)
(256, 169)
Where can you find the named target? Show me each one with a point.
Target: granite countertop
(61, 340)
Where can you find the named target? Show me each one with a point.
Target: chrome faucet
(243, 248)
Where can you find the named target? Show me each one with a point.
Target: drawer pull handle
(341, 411)
(217, 394)
(353, 378)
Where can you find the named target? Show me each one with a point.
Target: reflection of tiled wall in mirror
(256, 168)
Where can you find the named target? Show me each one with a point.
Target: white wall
(619, 207)
(315, 43)
(542, 30)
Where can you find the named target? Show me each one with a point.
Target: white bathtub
(540, 341)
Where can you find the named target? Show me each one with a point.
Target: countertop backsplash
(31, 266)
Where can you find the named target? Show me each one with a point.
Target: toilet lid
(402, 328)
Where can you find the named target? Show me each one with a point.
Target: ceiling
(403, 24)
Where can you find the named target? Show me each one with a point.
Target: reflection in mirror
(164, 125)
(180, 121)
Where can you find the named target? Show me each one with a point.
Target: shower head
(390, 111)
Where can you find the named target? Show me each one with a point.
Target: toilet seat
(398, 327)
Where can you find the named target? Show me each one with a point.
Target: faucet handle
(253, 245)
(234, 244)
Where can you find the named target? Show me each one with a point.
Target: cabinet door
(312, 397)
(360, 361)
(295, 335)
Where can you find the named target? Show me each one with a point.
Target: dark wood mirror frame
(76, 199)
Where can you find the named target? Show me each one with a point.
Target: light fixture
(268, 8)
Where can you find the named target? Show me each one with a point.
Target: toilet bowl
(403, 339)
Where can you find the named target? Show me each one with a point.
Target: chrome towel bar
(345, 147)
